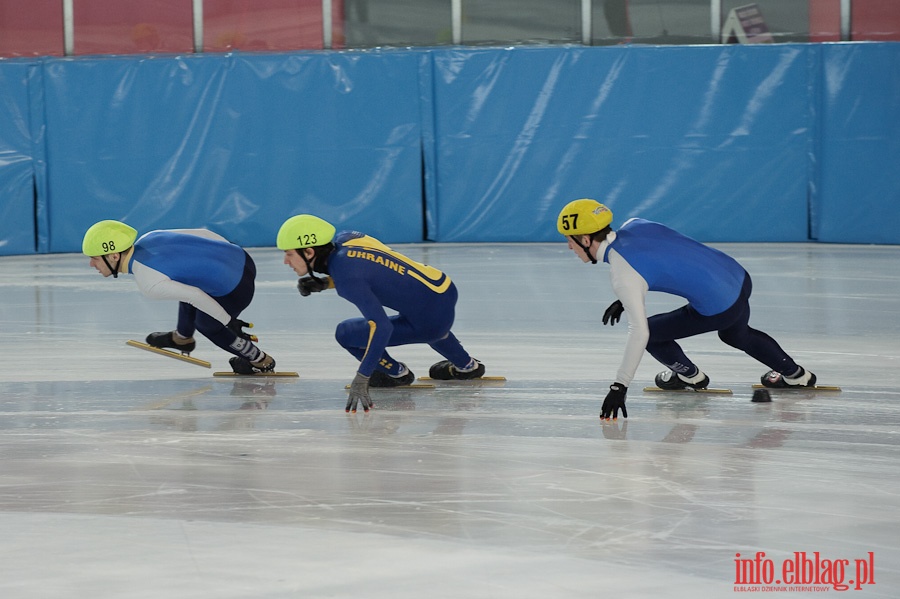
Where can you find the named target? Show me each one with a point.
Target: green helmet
(108, 237)
(583, 217)
(304, 231)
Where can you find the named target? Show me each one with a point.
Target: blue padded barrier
(20, 158)
(858, 199)
(726, 143)
(235, 143)
(712, 140)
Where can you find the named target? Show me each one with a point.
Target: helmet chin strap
(585, 248)
(114, 271)
(309, 269)
(321, 254)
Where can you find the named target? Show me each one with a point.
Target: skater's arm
(156, 285)
(631, 289)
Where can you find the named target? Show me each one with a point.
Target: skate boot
(775, 380)
(172, 340)
(446, 371)
(243, 366)
(672, 381)
(380, 378)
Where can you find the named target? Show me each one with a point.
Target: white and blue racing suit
(212, 279)
(647, 256)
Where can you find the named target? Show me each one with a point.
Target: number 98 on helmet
(108, 237)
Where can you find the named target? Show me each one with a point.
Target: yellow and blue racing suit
(374, 277)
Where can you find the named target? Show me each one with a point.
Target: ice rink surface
(124, 474)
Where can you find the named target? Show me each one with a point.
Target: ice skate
(446, 371)
(669, 380)
(775, 380)
(380, 379)
(261, 366)
(168, 353)
(172, 340)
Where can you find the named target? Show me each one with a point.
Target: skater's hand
(613, 313)
(308, 285)
(359, 393)
(236, 326)
(615, 400)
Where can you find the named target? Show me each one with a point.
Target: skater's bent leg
(756, 344)
(760, 346)
(233, 303)
(450, 347)
(353, 335)
(187, 314)
(670, 355)
(224, 338)
(666, 328)
(240, 297)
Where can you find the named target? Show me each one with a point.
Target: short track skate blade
(399, 387)
(284, 373)
(689, 390)
(170, 354)
(481, 379)
(816, 388)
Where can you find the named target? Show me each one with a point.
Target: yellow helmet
(304, 231)
(583, 217)
(108, 237)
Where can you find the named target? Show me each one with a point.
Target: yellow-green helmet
(304, 231)
(583, 217)
(108, 237)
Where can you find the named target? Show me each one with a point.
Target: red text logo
(802, 571)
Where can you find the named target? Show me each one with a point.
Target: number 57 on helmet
(583, 217)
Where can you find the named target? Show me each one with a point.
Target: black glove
(613, 313)
(359, 393)
(615, 400)
(236, 326)
(308, 285)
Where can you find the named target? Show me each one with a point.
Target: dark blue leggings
(732, 326)
(191, 319)
(430, 325)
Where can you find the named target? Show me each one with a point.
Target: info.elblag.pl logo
(802, 572)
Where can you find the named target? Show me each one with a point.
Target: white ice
(127, 475)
